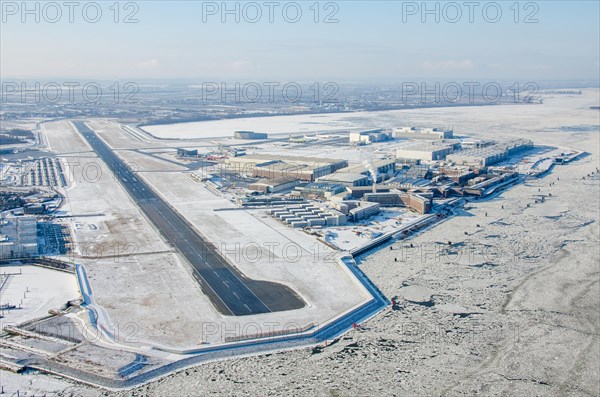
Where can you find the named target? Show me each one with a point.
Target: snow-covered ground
(33, 384)
(456, 117)
(360, 233)
(271, 125)
(34, 290)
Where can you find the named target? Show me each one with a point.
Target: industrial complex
(247, 243)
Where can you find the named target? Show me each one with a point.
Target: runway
(229, 290)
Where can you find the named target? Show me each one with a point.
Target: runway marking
(160, 220)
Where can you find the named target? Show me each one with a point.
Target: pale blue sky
(370, 41)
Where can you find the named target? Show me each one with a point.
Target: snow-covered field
(34, 290)
(356, 235)
(34, 384)
(271, 125)
(443, 117)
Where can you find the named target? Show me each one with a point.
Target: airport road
(229, 290)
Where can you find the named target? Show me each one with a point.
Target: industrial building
(356, 209)
(35, 208)
(272, 166)
(384, 169)
(480, 157)
(308, 215)
(488, 155)
(415, 175)
(274, 185)
(187, 152)
(249, 135)
(422, 133)
(460, 175)
(18, 237)
(475, 143)
(264, 201)
(425, 151)
(319, 190)
(480, 186)
(370, 136)
(346, 178)
(395, 198)
(359, 191)
(360, 210)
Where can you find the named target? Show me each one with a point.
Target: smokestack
(375, 186)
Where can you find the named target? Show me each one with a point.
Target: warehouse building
(274, 185)
(420, 203)
(264, 201)
(475, 143)
(359, 191)
(414, 175)
(18, 237)
(370, 136)
(384, 169)
(34, 208)
(272, 166)
(363, 210)
(346, 178)
(425, 151)
(485, 156)
(308, 215)
(249, 135)
(479, 188)
(422, 133)
(480, 157)
(187, 152)
(319, 190)
(356, 210)
(460, 175)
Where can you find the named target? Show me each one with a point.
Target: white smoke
(369, 166)
(366, 162)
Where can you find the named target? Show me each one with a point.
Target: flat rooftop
(497, 148)
(340, 176)
(428, 146)
(258, 158)
(360, 168)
